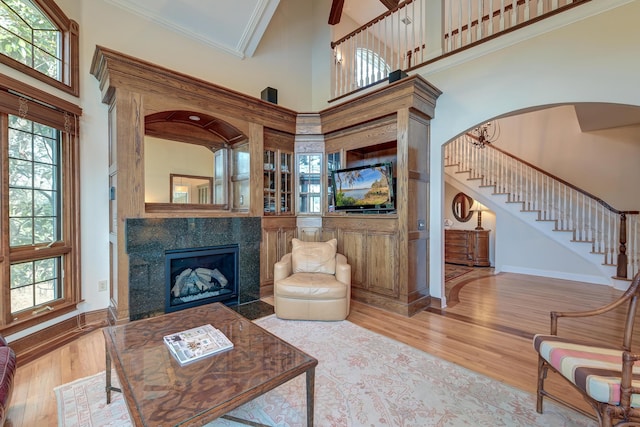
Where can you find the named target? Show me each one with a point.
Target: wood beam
(336, 12)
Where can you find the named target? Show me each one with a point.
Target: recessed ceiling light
(194, 118)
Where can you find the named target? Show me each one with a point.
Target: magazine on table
(196, 343)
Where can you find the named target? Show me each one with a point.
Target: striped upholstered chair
(606, 376)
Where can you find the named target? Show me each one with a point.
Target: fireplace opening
(200, 276)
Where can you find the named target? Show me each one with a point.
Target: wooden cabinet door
(268, 254)
(353, 247)
(284, 240)
(481, 249)
(381, 258)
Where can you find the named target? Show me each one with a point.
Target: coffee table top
(159, 391)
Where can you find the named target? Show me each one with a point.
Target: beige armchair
(313, 282)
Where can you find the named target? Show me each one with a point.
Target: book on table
(196, 343)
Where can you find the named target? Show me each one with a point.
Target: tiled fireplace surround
(148, 239)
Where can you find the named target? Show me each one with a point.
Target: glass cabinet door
(333, 163)
(285, 183)
(269, 181)
(240, 177)
(309, 183)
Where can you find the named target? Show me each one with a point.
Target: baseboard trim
(34, 345)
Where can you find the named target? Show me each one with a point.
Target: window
(37, 39)
(370, 67)
(309, 167)
(220, 177)
(34, 215)
(39, 253)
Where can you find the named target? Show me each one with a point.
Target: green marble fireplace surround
(148, 239)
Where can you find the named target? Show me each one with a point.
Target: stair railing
(418, 32)
(613, 233)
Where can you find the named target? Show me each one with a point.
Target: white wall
(603, 163)
(593, 60)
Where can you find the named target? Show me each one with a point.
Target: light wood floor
(489, 331)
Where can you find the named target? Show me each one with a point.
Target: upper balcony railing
(418, 32)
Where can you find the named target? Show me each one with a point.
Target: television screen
(363, 188)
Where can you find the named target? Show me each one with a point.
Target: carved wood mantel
(134, 89)
(395, 117)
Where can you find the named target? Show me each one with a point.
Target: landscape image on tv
(363, 187)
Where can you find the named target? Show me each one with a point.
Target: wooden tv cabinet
(468, 247)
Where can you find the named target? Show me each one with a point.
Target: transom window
(29, 37)
(37, 39)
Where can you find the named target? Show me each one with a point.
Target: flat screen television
(364, 188)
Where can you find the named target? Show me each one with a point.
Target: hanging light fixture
(485, 134)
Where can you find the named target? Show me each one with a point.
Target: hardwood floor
(488, 330)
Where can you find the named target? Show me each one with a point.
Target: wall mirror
(192, 151)
(461, 207)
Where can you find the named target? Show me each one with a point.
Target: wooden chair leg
(542, 374)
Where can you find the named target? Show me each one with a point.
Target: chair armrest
(626, 388)
(343, 270)
(283, 268)
(555, 315)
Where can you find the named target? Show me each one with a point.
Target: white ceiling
(235, 26)
(362, 11)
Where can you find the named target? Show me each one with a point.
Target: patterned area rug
(362, 379)
(453, 271)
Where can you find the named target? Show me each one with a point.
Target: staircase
(606, 237)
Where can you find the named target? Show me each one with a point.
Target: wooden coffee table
(158, 391)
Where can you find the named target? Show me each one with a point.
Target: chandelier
(485, 134)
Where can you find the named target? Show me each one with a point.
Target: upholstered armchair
(604, 375)
(7, 371)
(313, 282)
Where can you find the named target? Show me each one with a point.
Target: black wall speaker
(269, 94)
(397, 75)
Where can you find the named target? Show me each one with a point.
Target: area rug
(453, 271)
(362, 379)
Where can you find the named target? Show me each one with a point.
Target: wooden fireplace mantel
(389, 123)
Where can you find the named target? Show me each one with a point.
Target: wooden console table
(468, 247)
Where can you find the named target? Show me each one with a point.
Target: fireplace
(201, 276)
(149, 240)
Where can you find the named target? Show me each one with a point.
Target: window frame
(70, 51)
(19, 99)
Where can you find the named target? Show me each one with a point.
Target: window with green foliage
(38, 39)
(39, 169)
(29, 37)
(39, 201)
(34, 210)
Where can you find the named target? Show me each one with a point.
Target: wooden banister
(560, 180)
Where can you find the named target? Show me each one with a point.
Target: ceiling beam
(390, 4)
(336, 12)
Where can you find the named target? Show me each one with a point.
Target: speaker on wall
(269, 94)
(397, 75)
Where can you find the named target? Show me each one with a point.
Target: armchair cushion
(595, 370)
(314, 257)
(312, 286)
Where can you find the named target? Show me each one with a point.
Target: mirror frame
(458, 207)
(194, 178)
